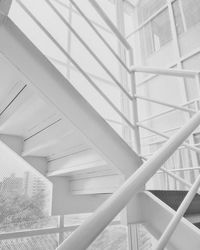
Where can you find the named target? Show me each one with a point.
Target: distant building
(34, 184)
(12, 184)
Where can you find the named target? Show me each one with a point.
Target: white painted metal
(119, 200)
(59, 93)
(176, 177)
(168, 72)
(166, 112)
(77, 66)
(178, 216)
(99, 35)
(110, 24)
(187, 145)
(91, 228)
(89, 50)
(135, 107)
(157, 216)
(191, 111)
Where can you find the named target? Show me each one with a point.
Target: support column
(61, 227)
(179, 65)
(131, 213)
(125, 107)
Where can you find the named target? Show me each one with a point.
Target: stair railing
(130, 97)
(91, 228)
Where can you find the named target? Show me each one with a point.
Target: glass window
(161, 30)
(148, 7)
(191, 9)
(156, 33)
(186, 13)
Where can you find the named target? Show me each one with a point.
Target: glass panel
(112, 238)
(161, 30)
(155, 34)
(25, 195)
(191, 10)
(42, 242)
(148, 7)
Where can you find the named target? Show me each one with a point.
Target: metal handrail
(94, 225)
(167, 111)
(107, 20)
(176, 177)
(99, 35)
(88, 49)
(132, 126)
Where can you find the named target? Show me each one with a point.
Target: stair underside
(49, 114)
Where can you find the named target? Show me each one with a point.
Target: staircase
(46, 123)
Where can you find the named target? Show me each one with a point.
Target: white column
(61, 227)
(132, 228)
(179, 65)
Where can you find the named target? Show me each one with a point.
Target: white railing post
(197, 80)
(135, 106)
(95, 224)
(5, 6)
(178, 216)
(61, 227)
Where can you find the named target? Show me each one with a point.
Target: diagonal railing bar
(162, 71)
(186, 145)
(94, 225)
(191, 111)
(88, 49)
(178, 178)
(107, 20)
(76, 65)
(178, 216)
(174, 176)
(166, 112)
(100, 36)
(76, 12)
